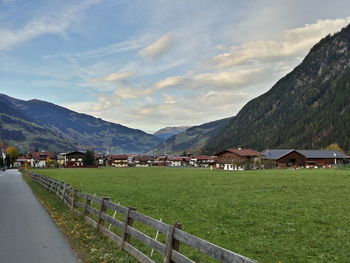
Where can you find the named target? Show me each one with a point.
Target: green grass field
(267, 215)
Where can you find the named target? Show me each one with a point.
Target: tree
(48, 162)
(334, 146)
(89, 157)
(12, 154)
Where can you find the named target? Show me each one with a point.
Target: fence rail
(94, 211)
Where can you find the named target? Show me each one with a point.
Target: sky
(157, 63)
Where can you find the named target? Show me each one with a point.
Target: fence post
(103, 209)
(58, 188)
(65, 193)
(171, 243)
(87, 203)
(127, 222)
(74, 197)
(64, 188)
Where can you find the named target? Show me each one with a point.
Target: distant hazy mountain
(70, 127)
(191, 140)
(307, 109)
(167, 132)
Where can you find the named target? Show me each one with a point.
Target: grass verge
(89, 245)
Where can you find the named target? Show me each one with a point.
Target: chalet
(283, 158)
(143, 160)
(74, 159)
(160, 160)
(100, 159)
(202, 160)
(119, 160)
(40, 159)
(186, 161)
(21, 162)
(237, 159)
(174, 161)
(61, 158)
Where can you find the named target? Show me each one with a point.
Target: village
(232, 159)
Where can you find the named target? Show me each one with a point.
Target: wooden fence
(94, 210)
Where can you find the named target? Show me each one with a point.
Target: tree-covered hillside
(308, 108)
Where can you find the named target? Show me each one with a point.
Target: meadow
(267, 215)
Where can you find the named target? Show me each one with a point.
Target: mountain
(167, 132)
(77, 128)
(307, 109)
(191, 140)
(17, 129)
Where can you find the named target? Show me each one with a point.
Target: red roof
(241, 152)
(175, 158)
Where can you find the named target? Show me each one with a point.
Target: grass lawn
(267, 215)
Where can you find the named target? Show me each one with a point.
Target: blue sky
(151, 64)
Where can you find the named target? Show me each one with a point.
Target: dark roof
(322, 154)
(204, 157)
(75, 153)
(275, 154)
(241, 152)
(42, 155)
(143, 158)
(119, 157)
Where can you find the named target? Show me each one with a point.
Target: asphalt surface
(27, 232)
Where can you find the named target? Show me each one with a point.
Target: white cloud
(157, 48)
(53, 23)
(229, 79)
(115, 77)
(292, 42)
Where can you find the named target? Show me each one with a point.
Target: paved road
(27, 233)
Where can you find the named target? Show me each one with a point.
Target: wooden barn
(284, 158)
(323, 157)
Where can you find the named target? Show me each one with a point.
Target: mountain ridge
(167, 132)
(82, 129)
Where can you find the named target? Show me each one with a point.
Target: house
(119, 160)
(238, 159)
(21, 161)
(40, 159)
(74, 159)
(283, 158)
(174, 161)
(100, 159)
(160, 160)
(186, 160)
(61, 158)
(3, 148)
(202, 160)
(143, 160)
(322, 158)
